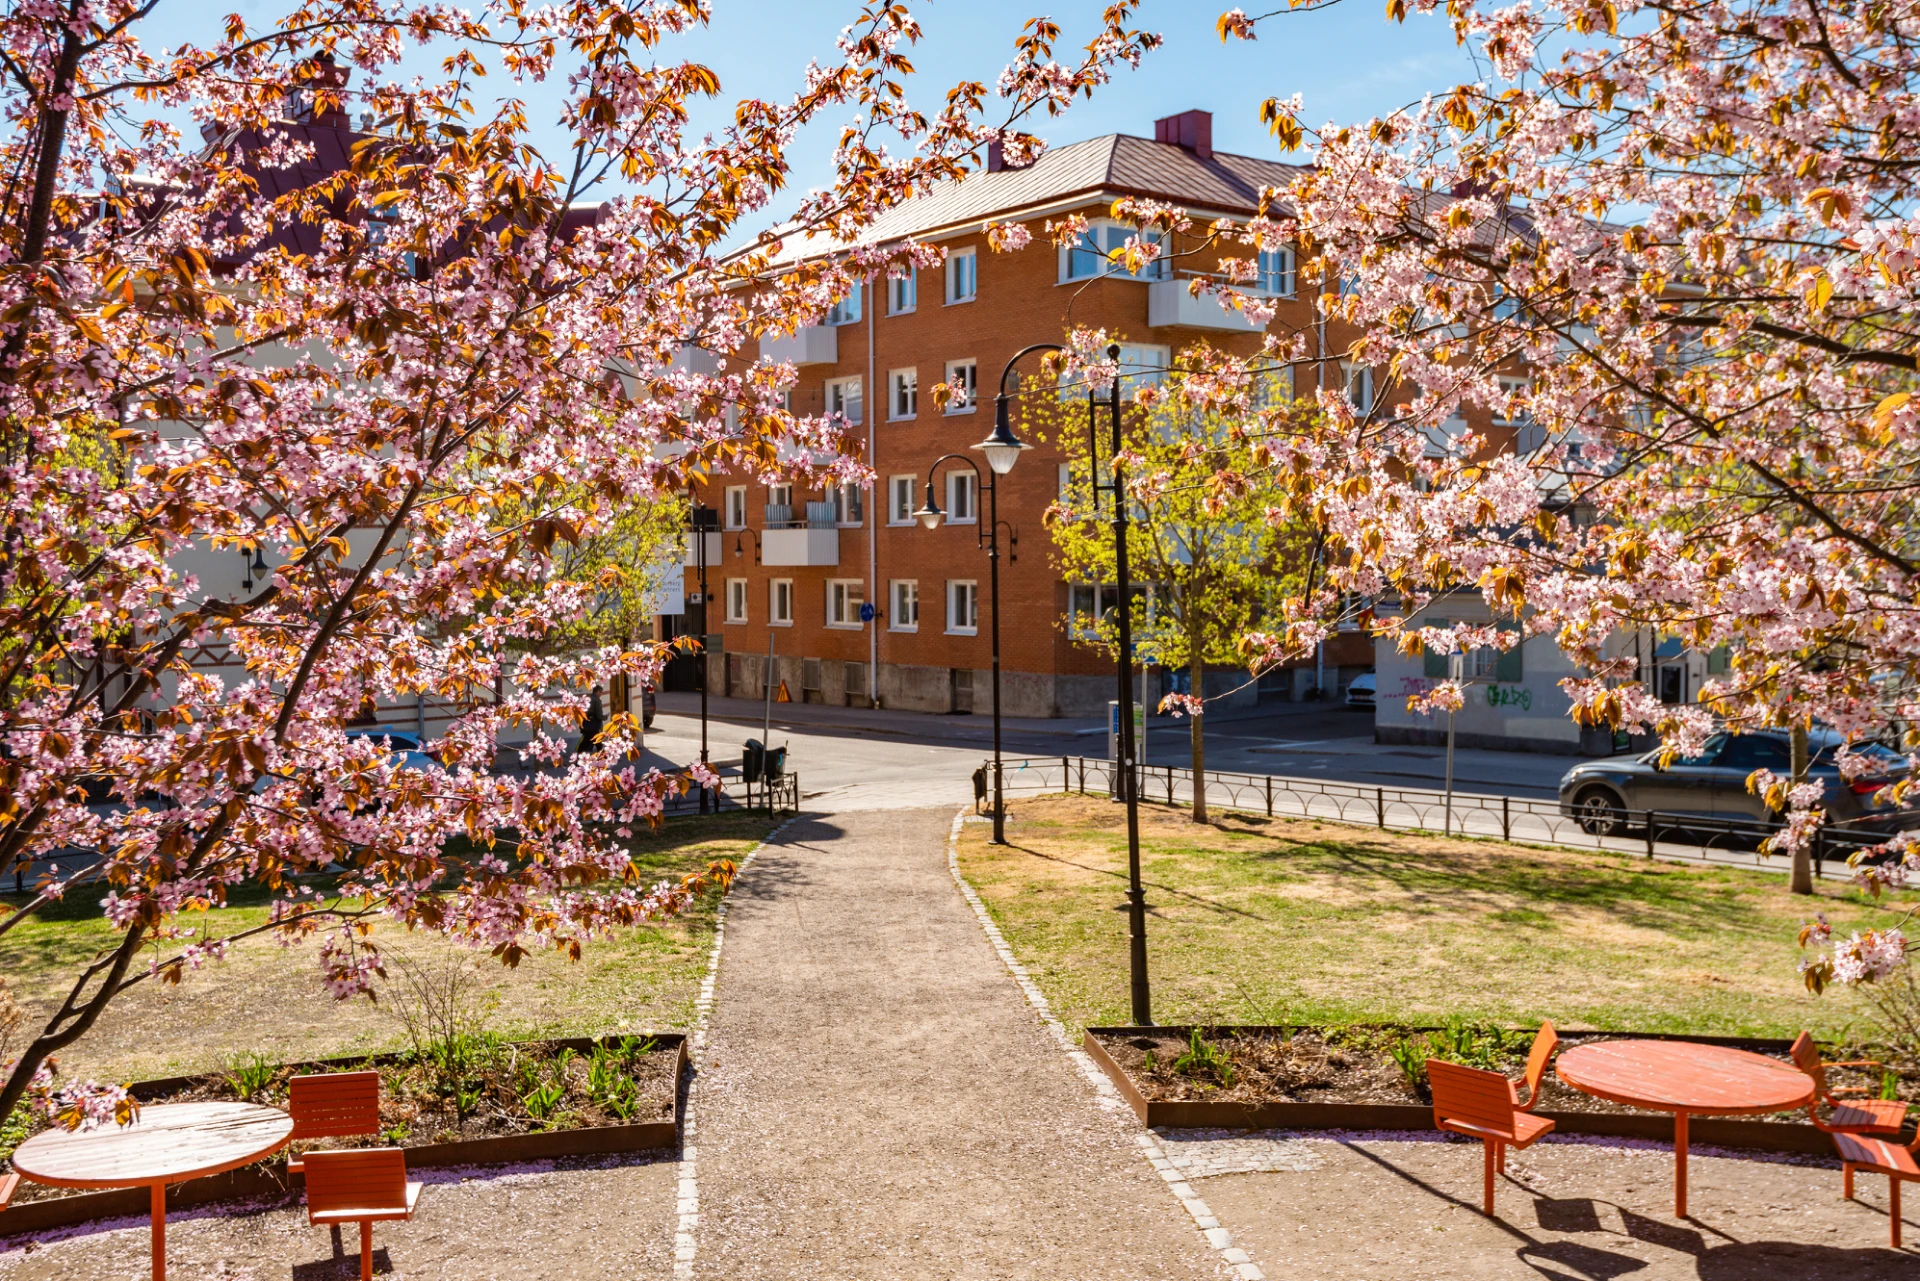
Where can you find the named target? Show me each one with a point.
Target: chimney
(997, 158)
(1190, 129)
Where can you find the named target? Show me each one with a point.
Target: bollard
(1506, 820)
(1380, 807)
(1269, 796)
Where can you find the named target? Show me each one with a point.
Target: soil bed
(487, 1089)
(1362, 1065)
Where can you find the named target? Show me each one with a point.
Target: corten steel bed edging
(1762, 1136)
(269, 1180)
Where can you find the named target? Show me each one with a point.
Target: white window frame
(963, 270)
(848, 310)
(845, 596)
(779, 594)
(899, 513)
(1107, 235)
(967, 386)
(1275, 272)
(737, 589)
(962, 481)
(1097, 596)
(972, 596)
(849, 504)
(838, 399)
(903, 394)
(903, 596)
(735, 509)
(1150, 359)
(1354, 375)
(903, 292)
(1511, 383)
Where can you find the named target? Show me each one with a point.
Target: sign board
(1456, 667)
(867, 611)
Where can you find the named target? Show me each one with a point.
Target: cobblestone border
(686, 1242)
(1217, 1237)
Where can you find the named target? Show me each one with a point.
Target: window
(849, 504)
(963, 606)
(1088, 258)
(843, 398)
(847, 310)
(1756, 751)
(963, 381)
(1359, 380)
(900, 505)
(1501, 666)
(1272, 387)
(1086, 603)
(963, 276)
(903, 395)
(780, 602)
(736, 508)
(736, 600)
(779, 506)
(1141, 365)
(963, 507)
(1066, 481)
(903, 292)
(1276, 272)
(845, 596)
(905, 615)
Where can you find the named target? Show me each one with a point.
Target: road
(901, 758)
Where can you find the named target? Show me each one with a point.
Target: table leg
(1679, 1165)
(159, 1232)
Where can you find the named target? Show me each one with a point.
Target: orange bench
(333, 1105)
(1545, 1042)
(1877, 1156)
(9, 1183)
(1482, 1105)
(1881, 1117)
(360, 1185)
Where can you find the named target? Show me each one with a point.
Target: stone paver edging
(1217, 1237)
(686, 1241)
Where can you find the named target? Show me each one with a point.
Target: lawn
(268, 1000)
(1258, 920)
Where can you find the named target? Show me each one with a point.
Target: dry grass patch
(268, 1000)
(1279, 920)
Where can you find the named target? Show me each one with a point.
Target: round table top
(1680, 1076)
(169, 1142)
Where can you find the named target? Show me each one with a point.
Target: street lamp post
(1129, 766)
(702, 522)
(1002, 449)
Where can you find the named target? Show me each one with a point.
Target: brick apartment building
(795, 568)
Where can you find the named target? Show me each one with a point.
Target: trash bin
(776, 762)
(752, 757)
(979, 788)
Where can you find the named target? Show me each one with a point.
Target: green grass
(1271, 921)
(267, 1000)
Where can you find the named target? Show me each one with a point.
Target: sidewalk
(878, 1101)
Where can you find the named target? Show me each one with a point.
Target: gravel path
(878, 1100)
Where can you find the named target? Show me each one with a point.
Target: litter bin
(776, 762)
(752, 757)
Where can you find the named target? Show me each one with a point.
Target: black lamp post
(1129, 767)
(1002, 449)
(703, 522)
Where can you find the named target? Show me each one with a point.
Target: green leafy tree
(1209, 557)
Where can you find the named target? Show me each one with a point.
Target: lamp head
(1002, 448)
(930, 513)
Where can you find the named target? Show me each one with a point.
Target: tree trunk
(1197, 736)
(1802, 882)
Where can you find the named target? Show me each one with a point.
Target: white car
(1360, 692)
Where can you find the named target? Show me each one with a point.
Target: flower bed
(1371, 1077)
(484, 1101)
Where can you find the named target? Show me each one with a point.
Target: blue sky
(1347, 61)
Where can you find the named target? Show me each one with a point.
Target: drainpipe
(873, 401)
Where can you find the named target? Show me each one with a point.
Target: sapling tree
(278, 297)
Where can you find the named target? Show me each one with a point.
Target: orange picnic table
(168, 1143)
(1685, 1079)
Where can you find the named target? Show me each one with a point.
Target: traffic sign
(867, 611)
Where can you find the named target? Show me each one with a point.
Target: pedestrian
(596, 721)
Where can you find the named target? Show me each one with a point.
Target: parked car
(1360, 692)
(403, 743)
(1602, 794)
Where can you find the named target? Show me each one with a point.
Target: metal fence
(779, 795)
(1692, 838)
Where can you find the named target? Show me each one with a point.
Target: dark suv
(1601, 794)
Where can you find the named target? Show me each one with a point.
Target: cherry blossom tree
(274, 298)
(1676, 241)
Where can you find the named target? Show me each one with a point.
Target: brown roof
(1115, 165)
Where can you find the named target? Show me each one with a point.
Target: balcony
(790, 539)
(814, 345)
(1169, 304)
